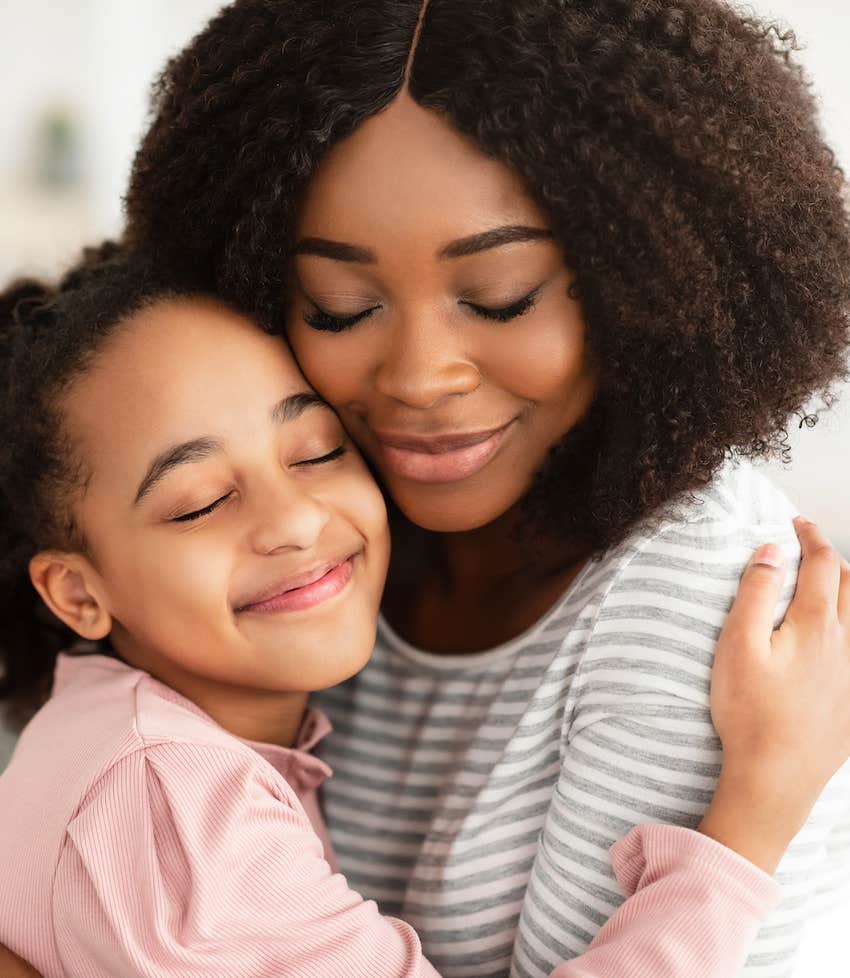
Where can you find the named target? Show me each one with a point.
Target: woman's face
(432, 310)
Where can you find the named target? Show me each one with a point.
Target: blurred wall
(76, 75)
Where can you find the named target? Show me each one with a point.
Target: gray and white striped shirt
(476, 796)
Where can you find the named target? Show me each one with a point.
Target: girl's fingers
(752, 615)
(819, 578)
(844, 594)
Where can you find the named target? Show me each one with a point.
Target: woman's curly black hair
(49, 337)
(673, 144)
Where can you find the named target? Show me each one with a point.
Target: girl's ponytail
(48, 338)
(30, 637)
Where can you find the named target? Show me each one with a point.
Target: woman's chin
(451, 512)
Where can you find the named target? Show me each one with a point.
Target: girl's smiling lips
(302, 591)
(439, 458)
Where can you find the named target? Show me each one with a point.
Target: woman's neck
(466, 592)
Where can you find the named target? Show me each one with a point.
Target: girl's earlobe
(70, 587)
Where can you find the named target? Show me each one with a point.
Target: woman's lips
(320, 585)
(443, 458)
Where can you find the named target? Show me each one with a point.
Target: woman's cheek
(539, 358)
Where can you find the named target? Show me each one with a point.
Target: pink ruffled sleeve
(191, 861)
(693, 909)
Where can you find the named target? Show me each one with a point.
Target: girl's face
(235, 535)
(432, 310)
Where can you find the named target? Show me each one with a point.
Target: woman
(553, 263)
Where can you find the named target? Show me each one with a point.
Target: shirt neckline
(464, 661)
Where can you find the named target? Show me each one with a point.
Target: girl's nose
(288, 518)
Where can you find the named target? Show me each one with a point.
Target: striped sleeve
(639, 747)
(191, 861)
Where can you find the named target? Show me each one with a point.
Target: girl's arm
(640, 747)
(187, 860)
(12, 966)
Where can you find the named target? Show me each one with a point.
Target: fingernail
(802, 520)
(769, 555)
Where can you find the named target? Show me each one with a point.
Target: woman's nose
(288, 517)
(422, 365)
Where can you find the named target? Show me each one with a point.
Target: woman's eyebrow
(495, 238)
(197, 449)
(484, 241)
(335, 250)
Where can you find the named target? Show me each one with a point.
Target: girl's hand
(779, 699)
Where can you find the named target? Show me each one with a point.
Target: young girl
(176, 497)
(553, 262)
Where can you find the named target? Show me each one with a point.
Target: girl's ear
(70, 587)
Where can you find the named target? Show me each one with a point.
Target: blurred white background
(75, 79)
(73, 105)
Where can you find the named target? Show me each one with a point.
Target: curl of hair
(673, 144)
(49, 336)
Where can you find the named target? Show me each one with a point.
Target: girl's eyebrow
(188, 451)
(287, 409)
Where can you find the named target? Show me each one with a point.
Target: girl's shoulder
(102, 713)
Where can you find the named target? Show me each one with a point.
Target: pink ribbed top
(141, 839)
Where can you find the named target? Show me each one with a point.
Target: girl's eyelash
(330, 457)
(324, 322)
(506, 313)
(198, 513)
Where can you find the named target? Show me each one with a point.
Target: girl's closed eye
(200, 513)
(323, 459)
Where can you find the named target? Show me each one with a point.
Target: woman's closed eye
(503, 314)
(326, 322)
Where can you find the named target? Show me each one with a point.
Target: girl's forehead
(176, 366)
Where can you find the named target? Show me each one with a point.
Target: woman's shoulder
(739, 494)
(669, 587)
(737, 511)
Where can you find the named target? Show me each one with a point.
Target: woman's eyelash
(198, 513)
(326, 323)
(505, 313)
(322, 459)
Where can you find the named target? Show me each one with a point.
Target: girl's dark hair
(673, 144)
(49, 336)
